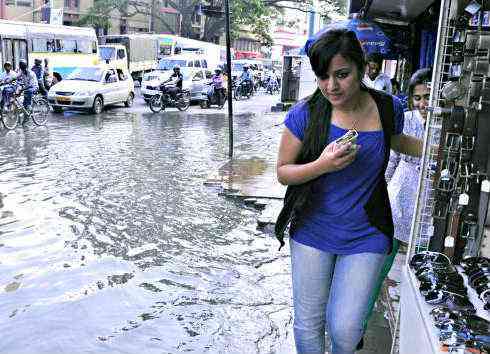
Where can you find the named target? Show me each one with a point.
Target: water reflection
(122, 248)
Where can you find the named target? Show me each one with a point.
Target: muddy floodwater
(111, 243)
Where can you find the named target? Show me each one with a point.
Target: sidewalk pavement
(258, 187)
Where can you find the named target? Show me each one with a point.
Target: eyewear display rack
(415, 328)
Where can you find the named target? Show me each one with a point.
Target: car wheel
(129, 102)
(98, 105)
(57, 109)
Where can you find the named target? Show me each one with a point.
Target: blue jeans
(28, 97)
(334, 291)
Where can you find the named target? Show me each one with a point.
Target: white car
(92, 88)
(194, 81)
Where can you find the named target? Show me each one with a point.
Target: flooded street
(110, 242)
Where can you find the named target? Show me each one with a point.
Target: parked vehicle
(164, 99)
(194, 81)
(209, 96)
(92, 88)
(136, 53)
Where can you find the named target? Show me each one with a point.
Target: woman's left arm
(407, 145)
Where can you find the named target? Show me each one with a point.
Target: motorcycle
(209, 96)
(242, 90)
(272, 86)
(164, 99)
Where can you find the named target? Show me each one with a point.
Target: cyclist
(39, 71)
(175, 79)
(7, 76)
(28, 82)
(247, 78)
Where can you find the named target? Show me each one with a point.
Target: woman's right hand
(336, 157)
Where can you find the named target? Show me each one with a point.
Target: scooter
(209, 96)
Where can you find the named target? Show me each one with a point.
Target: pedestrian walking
(374, 77)
(336, 202)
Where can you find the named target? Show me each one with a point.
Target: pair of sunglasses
(428, 256)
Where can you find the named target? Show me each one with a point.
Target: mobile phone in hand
(349, 137)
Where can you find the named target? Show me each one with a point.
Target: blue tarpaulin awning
(371, 36)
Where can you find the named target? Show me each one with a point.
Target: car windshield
(107, 53)
(168, 64)
(186, 73)
(86, 74)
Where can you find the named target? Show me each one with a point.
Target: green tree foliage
(253, 15)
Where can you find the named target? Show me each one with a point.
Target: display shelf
(475, 300)
(418, 334)
(417, 331)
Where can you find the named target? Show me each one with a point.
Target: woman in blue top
(336, 251)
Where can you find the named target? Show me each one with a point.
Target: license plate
(63, 100)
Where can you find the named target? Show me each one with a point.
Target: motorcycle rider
(28, 81)
(218, 81)
(7, 76)
(247, 78)
(272, 80)
(39, 71)
(175, 79)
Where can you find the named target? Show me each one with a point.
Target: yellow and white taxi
(92, 88)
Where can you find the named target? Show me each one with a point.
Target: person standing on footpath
(374, 77)
(337, 201)
(403, 171)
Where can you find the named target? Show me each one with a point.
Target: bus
(65, 47)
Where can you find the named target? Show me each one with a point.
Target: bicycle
(14, 109)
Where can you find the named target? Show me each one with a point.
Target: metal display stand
(415, 328)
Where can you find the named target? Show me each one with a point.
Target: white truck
(135, 52)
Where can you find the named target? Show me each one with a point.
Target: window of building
(10, 2)
(197, 63)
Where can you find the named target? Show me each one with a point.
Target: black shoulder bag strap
(378, 207)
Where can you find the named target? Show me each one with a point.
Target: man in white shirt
(6, 77)
(374, 78)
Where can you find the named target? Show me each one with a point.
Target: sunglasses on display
(428, 256)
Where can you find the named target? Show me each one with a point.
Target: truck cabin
(108, 53)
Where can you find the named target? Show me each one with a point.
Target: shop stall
(445, 296)
(445, 291)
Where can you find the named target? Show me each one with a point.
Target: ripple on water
(121, 246)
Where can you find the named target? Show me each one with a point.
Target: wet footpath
(133, 232)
